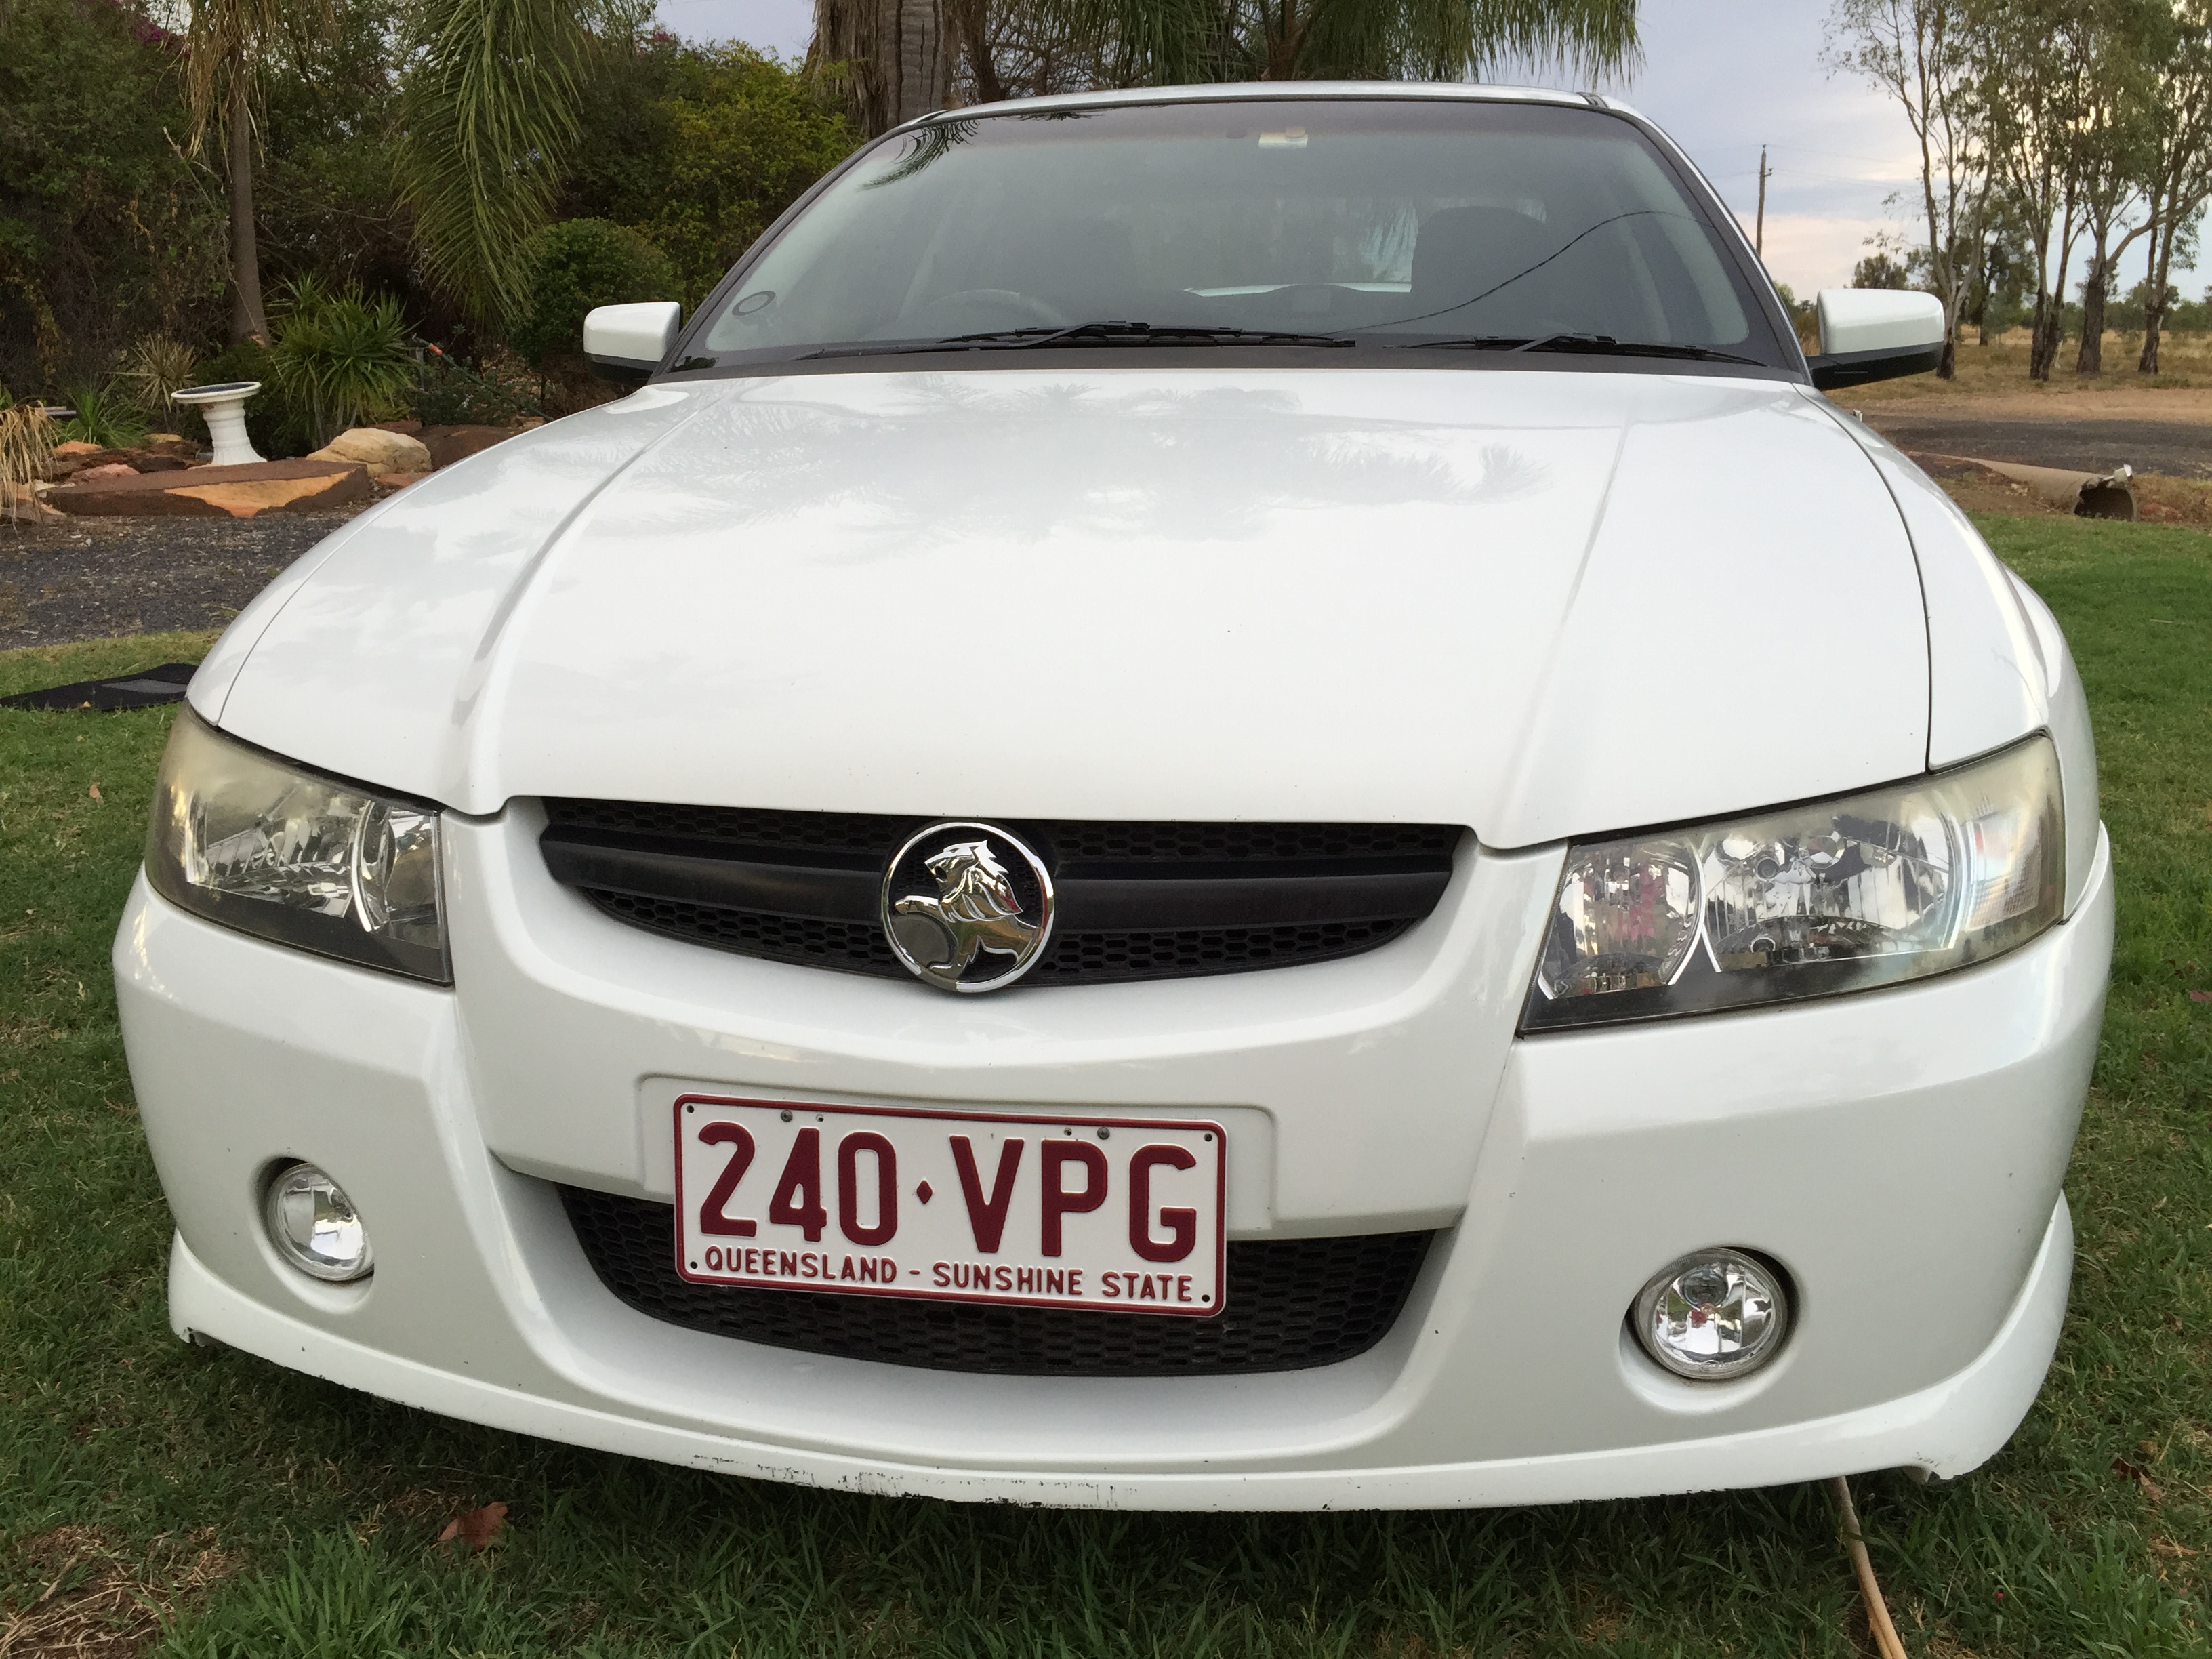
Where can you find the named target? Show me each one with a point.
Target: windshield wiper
(1089, 334)
(1602, 345)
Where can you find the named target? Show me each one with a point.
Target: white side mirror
(628, 343)
(1876, 334)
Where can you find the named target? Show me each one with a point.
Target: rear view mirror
(1876, 334)
(626, 343)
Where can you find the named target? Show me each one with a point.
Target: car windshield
(1452, 224)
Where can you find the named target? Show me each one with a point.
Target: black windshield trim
(1734, 244)
(1153, 358)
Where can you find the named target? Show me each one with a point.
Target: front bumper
(1900, 1151)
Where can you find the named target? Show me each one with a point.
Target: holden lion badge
(967, 907)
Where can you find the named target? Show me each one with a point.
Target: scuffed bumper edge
(1947, 1430)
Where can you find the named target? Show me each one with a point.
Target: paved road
(2178, 449)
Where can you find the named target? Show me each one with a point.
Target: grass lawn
(159, 1499)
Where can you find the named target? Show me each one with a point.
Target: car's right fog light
(1713, 1315)
(315, 1226)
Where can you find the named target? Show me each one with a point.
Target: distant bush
(578, 265)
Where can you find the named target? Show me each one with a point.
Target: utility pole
(1758, 234)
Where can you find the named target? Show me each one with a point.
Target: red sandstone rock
(212, 492)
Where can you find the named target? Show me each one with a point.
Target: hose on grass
(1885, 1633)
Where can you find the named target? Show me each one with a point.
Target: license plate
(1116, 1215)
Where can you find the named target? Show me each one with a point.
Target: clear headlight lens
(245, 840)
(1874, 888)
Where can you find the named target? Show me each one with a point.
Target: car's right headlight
(1839, 894)
(245, 839)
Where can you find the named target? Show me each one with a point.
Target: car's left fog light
(1713, 1315)
(315, 1226)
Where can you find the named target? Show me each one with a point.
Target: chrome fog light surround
(1713, 1315)
(314, 1225)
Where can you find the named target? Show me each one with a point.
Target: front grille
(1289, 1304)
(1135, 900)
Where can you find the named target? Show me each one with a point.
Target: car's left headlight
(1841, 895)
(245, 839)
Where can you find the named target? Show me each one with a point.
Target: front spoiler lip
(1947, 1430)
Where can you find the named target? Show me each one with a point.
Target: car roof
(1281, 90)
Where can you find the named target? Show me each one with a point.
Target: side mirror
(626, 343)
(1876, 334)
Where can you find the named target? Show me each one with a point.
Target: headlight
(1869, 890)
(243, 839)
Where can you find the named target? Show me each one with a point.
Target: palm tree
(905, 57)
(226, 42)
(490, 115)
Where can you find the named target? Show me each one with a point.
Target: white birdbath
(223, 408)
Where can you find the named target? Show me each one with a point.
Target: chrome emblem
(967, 907)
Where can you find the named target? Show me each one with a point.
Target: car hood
(1538, 604)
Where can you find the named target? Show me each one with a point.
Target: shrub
(154, 368)
(343, 358)
(575, 265)
(26, 443)
(453, 393)
(106, 415)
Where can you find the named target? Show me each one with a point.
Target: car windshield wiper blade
(1091, 334)
(1602, 345)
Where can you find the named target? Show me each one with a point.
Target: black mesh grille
(1293, 859)
(754, 934)
(1291, 1304)
(1181, 953)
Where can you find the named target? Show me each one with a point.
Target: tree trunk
(897, 54)
(248, 320)
(2162, 251)
(2090, 359)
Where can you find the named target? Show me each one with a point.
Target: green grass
(254, 1511)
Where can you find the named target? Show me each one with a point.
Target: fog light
(314, 1227)
(1714, 1315)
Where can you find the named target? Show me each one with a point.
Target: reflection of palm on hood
(1537, 602)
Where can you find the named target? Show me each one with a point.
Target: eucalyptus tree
(2177, 180)
(1921, 54)
(2113, 147)
(2031, 86)
(227, 44)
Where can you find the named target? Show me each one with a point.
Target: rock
(75, 449)
(214, 492)
(448, 444)
(392, 481)
(380, 450)
(105, 470)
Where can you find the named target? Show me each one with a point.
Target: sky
(1722, 76)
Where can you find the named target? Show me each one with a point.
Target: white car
(1222, 798)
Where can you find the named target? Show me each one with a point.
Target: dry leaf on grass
(95, 792)
(2151, 1490)
(475, 1529)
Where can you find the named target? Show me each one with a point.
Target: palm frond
(490, 113)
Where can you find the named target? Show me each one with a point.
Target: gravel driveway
(87, 579)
